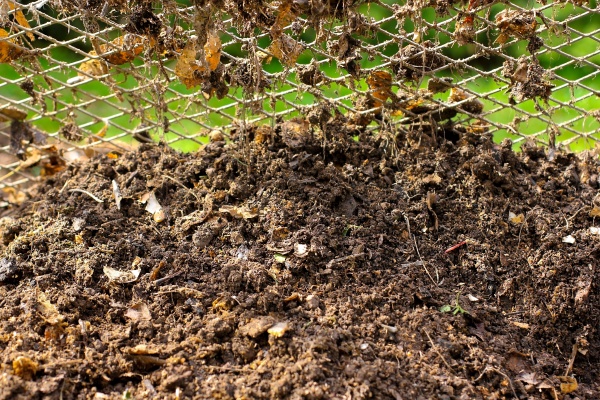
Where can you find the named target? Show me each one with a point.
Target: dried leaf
(516, 219)
(189, 71)
(24, 367)
(286, 49)
(517, 23)
(153, 207)
(93, 67)
(11, 113)
(239, 212)
(9, 52)
(139, 312)
(595, 212)
(568, 384)
(127, 48)
(48, 310)
(212, 50)
(117, 194)
(528, 377)
(380, 86)
(114, 275)
(20, 18)
(14, 196)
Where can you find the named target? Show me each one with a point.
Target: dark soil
(292, 265)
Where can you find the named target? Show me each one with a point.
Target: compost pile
(297, 262)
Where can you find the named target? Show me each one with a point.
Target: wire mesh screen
(78, 77)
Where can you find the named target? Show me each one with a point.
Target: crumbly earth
(292, 264)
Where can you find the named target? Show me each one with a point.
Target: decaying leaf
(516, 219)
(520, 24)
(123, 49)
(48, 310)
(12, 114)
(13, 196)
(93, 67)
(20, 18)
(595, 212)
(139, 312)
(239, 212)
(9, 52)
(212, 50)
(568, 384)
(24, 367)
(469, 103)
(153, 206)
(114, 275)
(521, 325)
(117, 194)
(191, 72)
(380, 87)
(286, 49)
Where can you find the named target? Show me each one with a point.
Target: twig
(488, 368)
(65, 186)
(434, 347)
(88, 193)
(11, 173)
(182, 185)
(572, 359)
(419, 254)
(165, 278)
(345, 258)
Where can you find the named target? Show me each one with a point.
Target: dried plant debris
(346, 48)
(464, 32)
(286, 49)
(413, 8)
(528, 79)
(9, 50)
(415, 60)
(310, 74)
(468, 103)
(143, 21)
(22, 133)
(516, 23)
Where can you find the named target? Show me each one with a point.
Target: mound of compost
(292, 264)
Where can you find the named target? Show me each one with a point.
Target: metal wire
(48, 82)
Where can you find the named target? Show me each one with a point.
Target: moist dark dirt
(291, 264)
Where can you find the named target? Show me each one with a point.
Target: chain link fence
(82, 77)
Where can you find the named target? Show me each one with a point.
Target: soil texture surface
(300, 263)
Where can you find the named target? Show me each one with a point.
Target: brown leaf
(9, 52)
(212, 50)
(189, 71)
(20, 18)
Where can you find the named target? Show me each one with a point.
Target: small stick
(419, 254)
(65, 186)
(182, 185)
(88, 193)
(572, 360)
(434, 347)
(488, 368)
(345, 258)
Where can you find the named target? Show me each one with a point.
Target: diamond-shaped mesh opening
(82, 77)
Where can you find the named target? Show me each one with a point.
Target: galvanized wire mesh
(81, 76)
